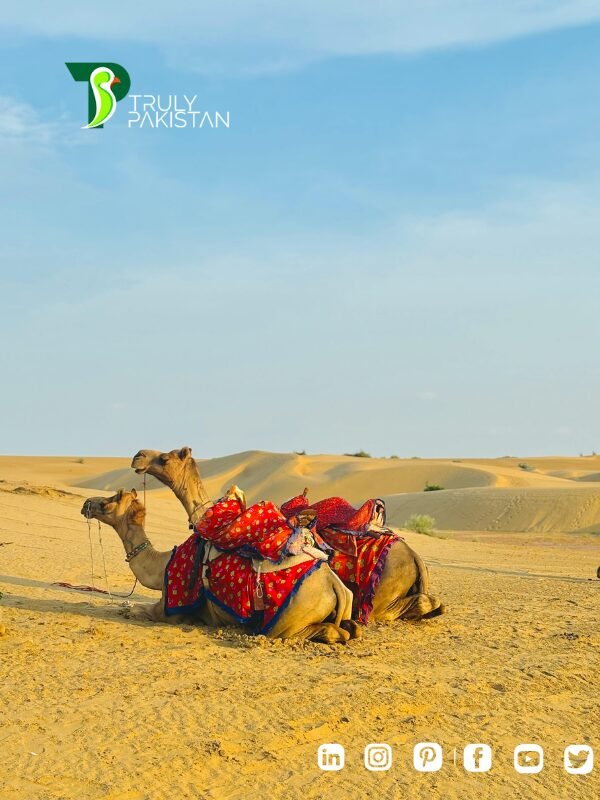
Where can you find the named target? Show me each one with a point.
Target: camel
(402, 592)
(321, 597)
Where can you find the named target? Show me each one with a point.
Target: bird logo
(108, 83)
(102, 80)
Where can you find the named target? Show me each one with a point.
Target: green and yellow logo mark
(107, 84)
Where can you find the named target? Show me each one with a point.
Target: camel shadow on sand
(107, 613)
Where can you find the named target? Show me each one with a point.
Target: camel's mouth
(139, 464)
(88, 509)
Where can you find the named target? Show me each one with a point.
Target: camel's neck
(148, 565)
(191, 493)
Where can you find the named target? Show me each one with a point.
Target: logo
(529, 758)
(427, 757)
(579, 759)
(331, 757)
(477, 757)
(107, 84)
(378, 757)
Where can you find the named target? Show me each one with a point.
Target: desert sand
(96, 706)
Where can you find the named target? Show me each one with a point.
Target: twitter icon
(579, 759)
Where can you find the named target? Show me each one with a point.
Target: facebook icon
(477, 757)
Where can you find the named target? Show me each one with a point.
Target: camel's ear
(185, 452)
(134, 493)
(119, 495)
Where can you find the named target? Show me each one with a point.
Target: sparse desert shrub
(300, 452)
(433, 487)
(360, 454)
(394, 456)
(420, 523)
(526, 467)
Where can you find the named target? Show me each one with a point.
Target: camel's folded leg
(413, 607)
(320, 598)
(152, 612)
(325, 632)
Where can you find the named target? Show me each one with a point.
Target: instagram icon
(378, 757)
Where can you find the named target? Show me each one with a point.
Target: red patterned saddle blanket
(260, 531)
(232, 584)
(360, 542)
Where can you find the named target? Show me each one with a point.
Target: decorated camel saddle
(249, 561)
(359, 539)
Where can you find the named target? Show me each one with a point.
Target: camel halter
(107, 591)
(194, 510)
(89, 525)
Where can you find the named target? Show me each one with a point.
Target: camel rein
(128, 557)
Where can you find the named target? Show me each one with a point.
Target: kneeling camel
(402, 592)
(321, 597)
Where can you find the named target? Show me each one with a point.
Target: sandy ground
(96, 706)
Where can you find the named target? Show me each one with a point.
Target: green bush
(420, 523)
(360, 454)
(526, 467)
(433, 487)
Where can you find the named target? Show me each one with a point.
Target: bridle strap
(137, 550)
(194, 517)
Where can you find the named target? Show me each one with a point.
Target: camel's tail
(422, 583)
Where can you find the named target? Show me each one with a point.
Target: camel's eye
(164, 459)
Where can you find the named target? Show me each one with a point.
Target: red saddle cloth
(231, 584)
(334, 512)
(261, 530)
(359, 556)
(183, 577)
(362, 572)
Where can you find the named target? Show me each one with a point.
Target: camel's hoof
(354, 628)
(439, 609)
(331, 634)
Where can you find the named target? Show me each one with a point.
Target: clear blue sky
(394, 247)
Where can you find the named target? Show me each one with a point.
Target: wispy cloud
(20, 122)
(269, 35)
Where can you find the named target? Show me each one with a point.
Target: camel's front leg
(152, 612)
(141, 612)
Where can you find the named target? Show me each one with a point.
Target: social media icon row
(428, 757)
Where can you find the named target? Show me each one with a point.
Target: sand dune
(96, 707)
(532, 510)
(489, 495)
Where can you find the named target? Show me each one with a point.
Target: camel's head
(117, 511)
(168, 467)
